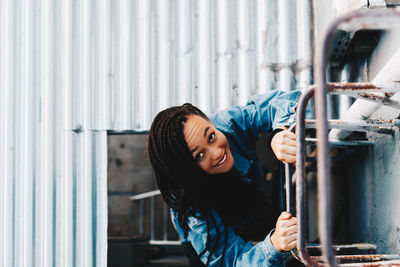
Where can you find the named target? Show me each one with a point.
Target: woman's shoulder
(225, 117)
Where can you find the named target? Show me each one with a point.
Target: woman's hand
(283, 144)
(285, 236)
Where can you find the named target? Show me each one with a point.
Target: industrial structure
(72, 72)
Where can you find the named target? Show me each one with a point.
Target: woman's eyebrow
(204, 135)
(206, 130)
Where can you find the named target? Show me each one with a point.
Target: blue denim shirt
(242, 126)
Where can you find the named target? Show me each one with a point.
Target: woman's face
(209, 147)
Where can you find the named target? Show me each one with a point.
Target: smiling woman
(207, 171)
(208, 146)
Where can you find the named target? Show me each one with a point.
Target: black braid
(183, 183)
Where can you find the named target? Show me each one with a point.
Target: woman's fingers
(283, 144)
(292, 244)
(290, 136)
(285, 236)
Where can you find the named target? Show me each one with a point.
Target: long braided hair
(190, 191)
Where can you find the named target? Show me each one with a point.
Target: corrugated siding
(53, 148)
(211, 53)
(71, 70)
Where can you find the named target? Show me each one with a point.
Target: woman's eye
(199, 156)
(211, 138)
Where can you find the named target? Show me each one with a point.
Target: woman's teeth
(223, 160)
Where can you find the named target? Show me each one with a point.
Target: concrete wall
(130, 173)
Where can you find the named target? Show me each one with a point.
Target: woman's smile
(222, 161)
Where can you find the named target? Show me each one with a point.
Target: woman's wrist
(271, 136)
(274, 242)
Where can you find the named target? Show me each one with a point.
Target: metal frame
(360, 19)
(153, 241)
(301, 183)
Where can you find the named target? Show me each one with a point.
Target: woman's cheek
(203, 166)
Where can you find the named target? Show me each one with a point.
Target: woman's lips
(223, 160)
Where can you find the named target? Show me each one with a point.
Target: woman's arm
(262, 113)
(241, 253)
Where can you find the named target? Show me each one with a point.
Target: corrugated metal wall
(71, 70)
(53, 148)
(211, 53)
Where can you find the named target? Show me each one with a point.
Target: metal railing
(360, 19)
(152, 195)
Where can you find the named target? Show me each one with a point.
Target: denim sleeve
(261, 114)
(238, 252)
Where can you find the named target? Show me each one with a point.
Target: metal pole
(141, 226)
(165, 221)
(288, 181)
(153, 218)
(301, 209)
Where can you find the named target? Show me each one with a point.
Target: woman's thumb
(285, 215)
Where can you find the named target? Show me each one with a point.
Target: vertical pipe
(153, 218)
(141, 225)
(243, 51)
(301, 194)
(288, 187)
(184, 52)
(288, 180)
(285, 46)
(123, 65)
(165, 232)
(204, 67)
(223, 38)
(323, 165)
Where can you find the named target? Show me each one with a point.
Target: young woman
(207, 172)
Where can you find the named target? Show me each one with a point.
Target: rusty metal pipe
(383, 127)
(301, 209)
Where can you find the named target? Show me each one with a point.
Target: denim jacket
(242, 126)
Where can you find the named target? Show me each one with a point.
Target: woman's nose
(216, 152)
